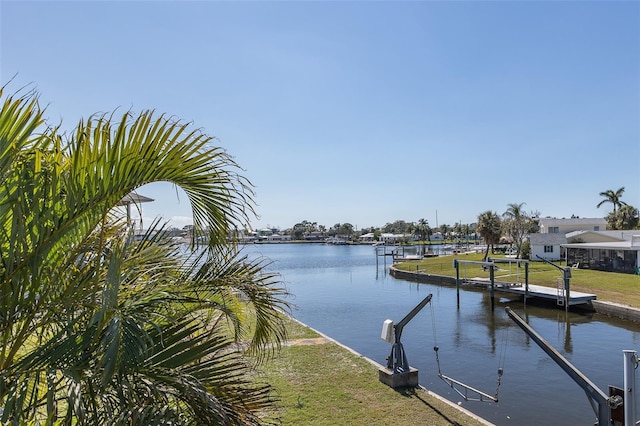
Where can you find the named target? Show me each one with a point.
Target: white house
(393, 238)
(547, 246)
(278, 238)
(586, 243)
(369, 237)
(437, 237)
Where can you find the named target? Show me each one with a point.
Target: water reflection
(340, 291)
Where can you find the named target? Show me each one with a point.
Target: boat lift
(488, 265)
(608, 406)
(566, 280)
(398, 372)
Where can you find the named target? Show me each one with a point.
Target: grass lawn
(608, 286)
(325, 384)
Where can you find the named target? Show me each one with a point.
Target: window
(554, 230)
(596, 228)
(548, 249)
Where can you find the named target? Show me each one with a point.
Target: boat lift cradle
(605, 403)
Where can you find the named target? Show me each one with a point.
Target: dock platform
(535, 291)
(539, 291)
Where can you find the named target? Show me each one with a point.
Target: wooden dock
(534, 291)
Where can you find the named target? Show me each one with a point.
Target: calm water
(340, 291)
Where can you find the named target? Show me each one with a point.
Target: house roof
(594, 235)
(552, 221)
(617, 240)
(547, 239)
(621, 234)
(613, 245)
(134, 198)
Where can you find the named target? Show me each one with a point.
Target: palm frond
(99, 329)
(236, 280)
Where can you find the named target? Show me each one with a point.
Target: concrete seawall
(616, 310)
(611, 309)
(422, 277)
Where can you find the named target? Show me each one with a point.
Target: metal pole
(385, 256)
(492, 277)
(457, 265)
(526, 282)
(567, 280)
(630, 362)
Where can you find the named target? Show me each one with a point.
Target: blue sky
(361, 112)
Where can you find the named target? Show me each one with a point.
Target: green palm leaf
(98, 329)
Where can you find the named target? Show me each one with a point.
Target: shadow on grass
(411, 393)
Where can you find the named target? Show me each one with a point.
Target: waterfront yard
(608, 286)
(321, 383)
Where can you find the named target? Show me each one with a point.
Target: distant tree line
(511, 227)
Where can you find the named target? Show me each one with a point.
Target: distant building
(264, 232)
(393, 238)
(564, 226)
(367, 237)
(314, 236)
(277, 238)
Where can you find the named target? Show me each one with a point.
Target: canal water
(340, 291)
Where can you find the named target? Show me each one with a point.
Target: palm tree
(444, 230)
(489, 228)
(625, 218)
(466, 230)
(517, 224)
(423, 231)
(613, 197)
(514, 211)
(99, 329)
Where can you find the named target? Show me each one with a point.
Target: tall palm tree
(444, 230)
(423, 231)
(489, 228)
(97, 328)
(613, 197)
(466, 230)
(514, 211)
(517, 224)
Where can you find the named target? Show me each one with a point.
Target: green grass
(608, 286)
(296, 331)
(324, 384)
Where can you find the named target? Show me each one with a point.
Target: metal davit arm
(605, 403)
(397, 361)
(399, 326)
